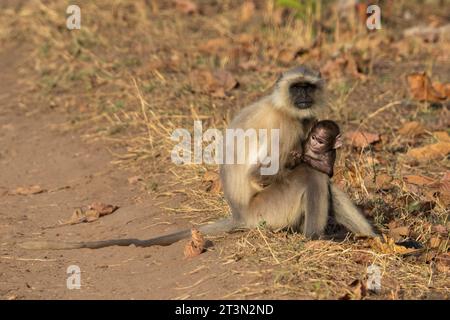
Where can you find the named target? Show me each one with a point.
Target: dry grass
(126, 79)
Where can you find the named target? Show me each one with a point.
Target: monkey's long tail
(224, 225)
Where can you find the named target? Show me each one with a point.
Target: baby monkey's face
(322, 140)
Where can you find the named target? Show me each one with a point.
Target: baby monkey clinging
(320, 146)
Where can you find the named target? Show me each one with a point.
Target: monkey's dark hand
(295, 158)
(322, 165)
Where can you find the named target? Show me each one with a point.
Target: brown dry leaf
(225, 80)
(214, 46)
(196, 245)
(444, 198)
(352, 67)
(78, 216)
(356, 291)
(286, 56)
(92, 215)
(212, 181)
(388, 246)
(443, 263)
(422, 89)
(25, 191)
(442, 136)
(383, 182)
(102, 208)
(442, 88)
(371, 161)
(346, 64)
(412, 129)
(216, 83)
(249, 65)
(418, 180)
(398, 233)
(439, 228)
(434, 242)
(247, 10)
(186, 6)
(94, 212)
(333, 68)
(134, 179)
(277, 16)
(362, 139)
(361, 9)
(444, 189)
(430, 152)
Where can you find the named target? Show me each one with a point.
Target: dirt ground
(74, 174)
(85, 112)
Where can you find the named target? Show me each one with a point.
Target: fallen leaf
(216, 83)
(356, 291)
(412, 129)
(78, 216)
(102, 208)
(434, 242)
(333, 68)
(186, 6)
(25, 191)
(362, 139)
(418, 180)
(249, 65)
(225, 80)
(92, 215)
(443, 263)
(398, 233)
(372, 161)
(247, 10)
(392, 224)
(383, 182)
(442, 88)
(430, 152)
(442, 136)
(196, 245)
(134, 179)
(361, 9)
(422, 89)
(286, 56)
(444, 189)
(439, 228)
(277, 17)
(214, 46)
(94, 212)
(388, 246)
(345, 64)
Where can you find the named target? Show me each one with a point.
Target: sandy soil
(34, 152)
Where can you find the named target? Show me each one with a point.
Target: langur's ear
(338, 141)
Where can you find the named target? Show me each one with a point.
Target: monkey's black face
(302, 95)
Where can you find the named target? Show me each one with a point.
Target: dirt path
(77, 174)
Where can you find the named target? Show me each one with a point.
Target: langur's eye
(314, 137)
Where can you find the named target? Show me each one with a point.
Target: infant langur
(319, 150)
